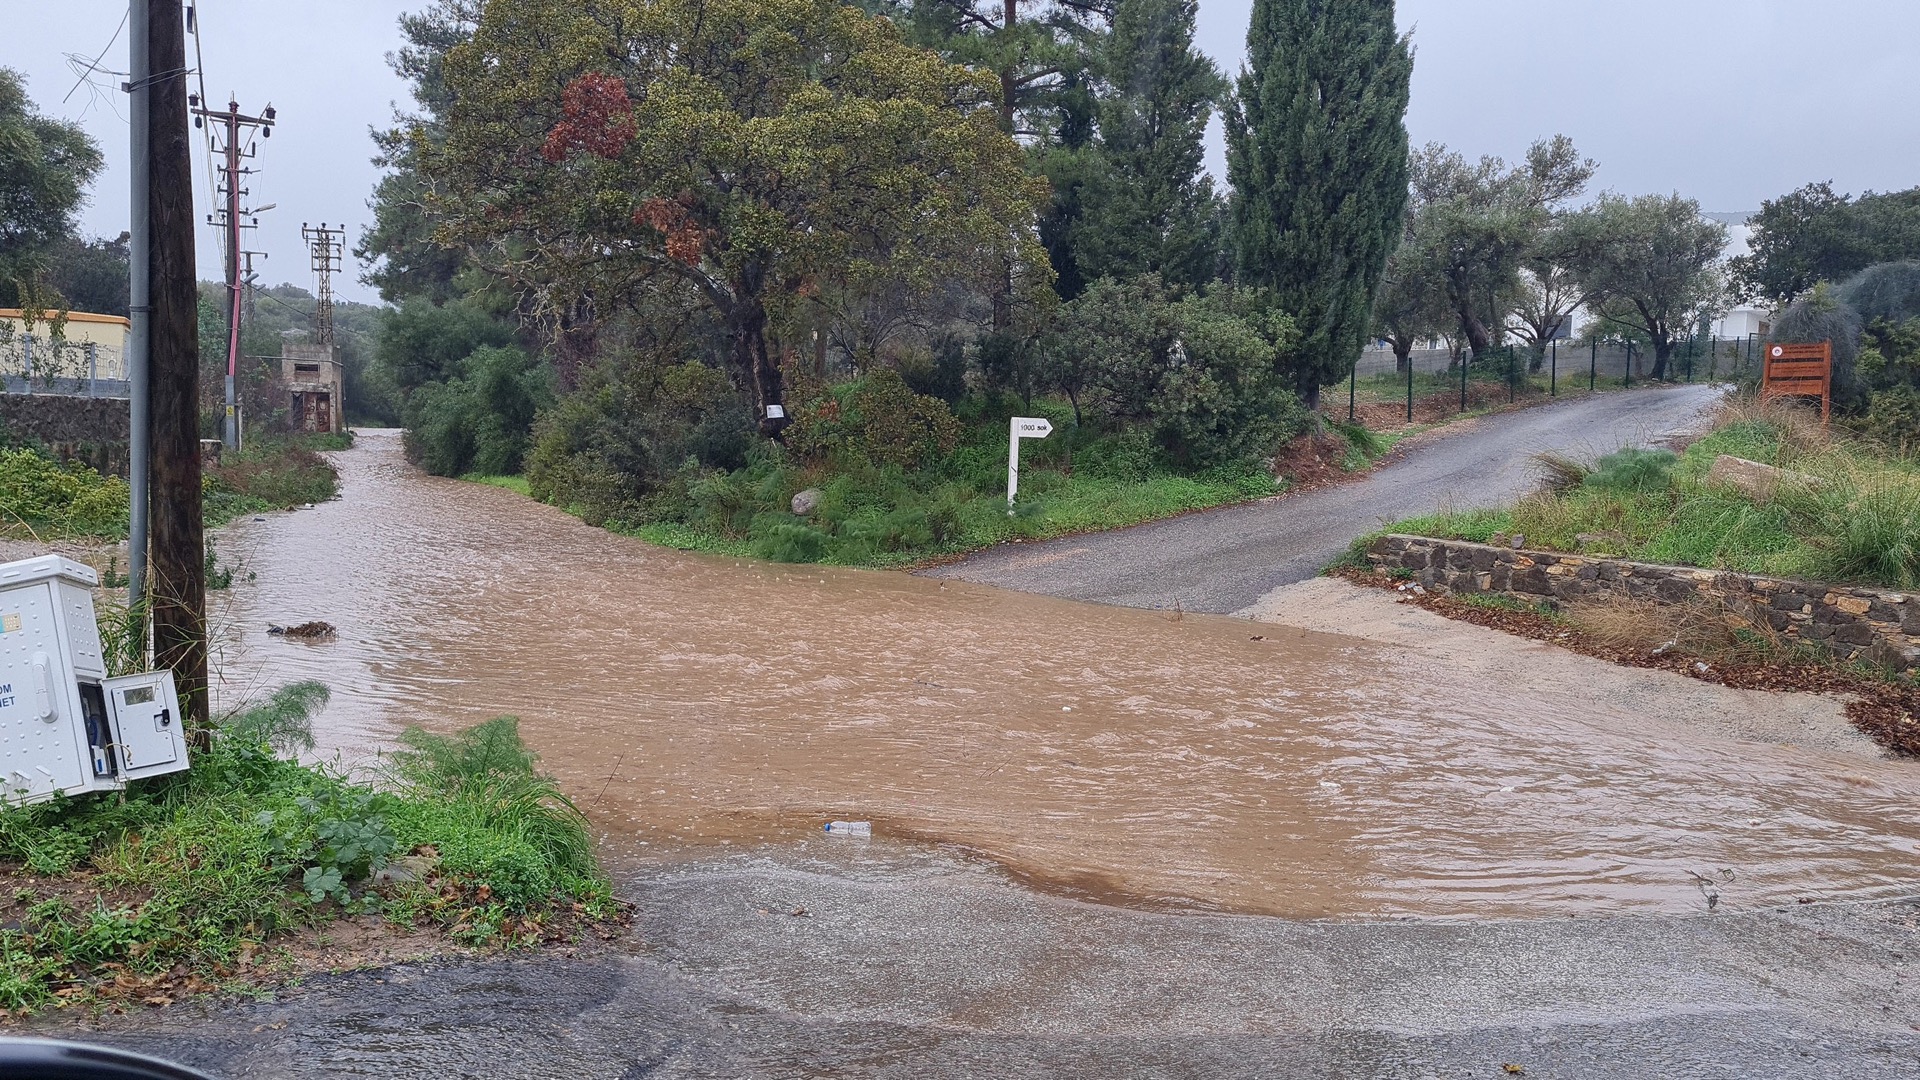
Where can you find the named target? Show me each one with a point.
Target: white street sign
(1021, 427)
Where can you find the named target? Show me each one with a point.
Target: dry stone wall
(1878, 626)
(93, 430)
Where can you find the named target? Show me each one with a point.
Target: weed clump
(198, 871)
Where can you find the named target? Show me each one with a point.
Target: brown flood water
(687, 701)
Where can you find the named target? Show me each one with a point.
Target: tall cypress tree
(1317, 155)
(1149, 208)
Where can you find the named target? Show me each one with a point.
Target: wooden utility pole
(178, 559)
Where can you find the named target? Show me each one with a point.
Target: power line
(94, 65)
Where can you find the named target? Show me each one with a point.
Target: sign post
(1021, 427)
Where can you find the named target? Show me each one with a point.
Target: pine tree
(1149, 208)
(1317, 155)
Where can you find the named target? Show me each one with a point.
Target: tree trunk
(758, 367)
(1008, 85)
(1662, 352)
(1478, 339)
(1402, 355)
(179, 553)
(576, 340)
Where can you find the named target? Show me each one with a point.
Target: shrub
(64, 499)
(876, 419)
(480, 419)
(627, 447)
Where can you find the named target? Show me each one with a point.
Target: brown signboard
(1800, 371)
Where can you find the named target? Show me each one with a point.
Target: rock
(806, 502)
(1519, 540)
(1753, 479)
(406, 868)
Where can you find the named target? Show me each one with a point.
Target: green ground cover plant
(901, 476)
(1856, 520)
(273, 472)
(201, 872)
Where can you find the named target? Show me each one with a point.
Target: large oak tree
(754, 150)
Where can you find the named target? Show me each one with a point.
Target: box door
(39, 751)
(146, 724)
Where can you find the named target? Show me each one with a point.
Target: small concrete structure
(314, 386)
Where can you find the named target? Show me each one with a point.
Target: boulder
(405, 869)
(1753, 479)
(806, 502)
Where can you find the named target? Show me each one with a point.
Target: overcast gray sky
(1727, 101)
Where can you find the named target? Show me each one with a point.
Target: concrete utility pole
(139, 307)
(232, 123)
(178, 543)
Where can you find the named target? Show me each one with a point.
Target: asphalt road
(1223, 560)
(915, 963)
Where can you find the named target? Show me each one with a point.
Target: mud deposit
(1134, 756)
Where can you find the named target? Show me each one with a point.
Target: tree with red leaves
(756, 150)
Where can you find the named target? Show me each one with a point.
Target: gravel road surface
(1224, 560)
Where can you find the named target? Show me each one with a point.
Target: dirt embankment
(1888, 712)
(1431, 645)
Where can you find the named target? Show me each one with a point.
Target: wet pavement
(1225, 559)
(912, 961)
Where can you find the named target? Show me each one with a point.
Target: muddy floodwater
(1131, 756)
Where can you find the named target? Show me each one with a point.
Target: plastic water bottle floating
(849, 828)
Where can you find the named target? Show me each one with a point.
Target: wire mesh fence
(1428, 379)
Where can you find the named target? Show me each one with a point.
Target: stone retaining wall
(1875, 625)
(93, 430)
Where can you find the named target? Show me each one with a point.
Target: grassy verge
(1854, 518)
(857, 527)
(274, 472)
(881, 516)
(195, 882)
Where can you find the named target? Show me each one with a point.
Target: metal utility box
(65, 727)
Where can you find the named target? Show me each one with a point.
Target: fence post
(1593, 369)
(1409, 388)
(1466, 361)
(1353, 382)
(1553, 371)
(1692, 342)
(93, 368)
(29, 367)
(1513, 376)
(1626, 379)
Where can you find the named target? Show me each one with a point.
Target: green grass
(1859, 523)
(274, 472)
(198, 871)
(517, 484)
(884, 520)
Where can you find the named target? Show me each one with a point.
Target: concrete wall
(1881, 626)
(93, 430)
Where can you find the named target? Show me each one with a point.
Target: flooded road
(1133, 756)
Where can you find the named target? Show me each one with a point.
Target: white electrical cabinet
(65, 727)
